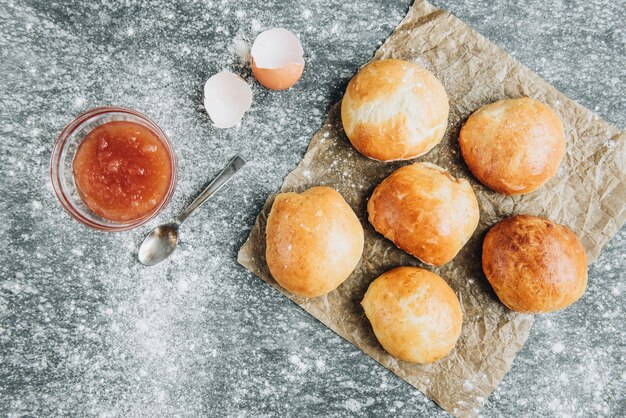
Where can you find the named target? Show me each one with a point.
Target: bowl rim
(55, 171)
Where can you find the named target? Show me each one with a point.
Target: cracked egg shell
(227, 97)
(277, 60)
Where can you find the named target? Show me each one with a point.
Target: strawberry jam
(122, 171)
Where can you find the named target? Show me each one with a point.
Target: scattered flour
(85, 330)
(558, 347)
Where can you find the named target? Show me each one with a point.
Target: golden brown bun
(425, 211)
(314, 241)
(513, 146)
(414, 313)
(534, 265)
(394, 110)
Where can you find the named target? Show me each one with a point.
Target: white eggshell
(276, 48)
(226, 98)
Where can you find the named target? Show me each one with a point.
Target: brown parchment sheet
(588, 195)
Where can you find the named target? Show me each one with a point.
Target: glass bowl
(64, 151)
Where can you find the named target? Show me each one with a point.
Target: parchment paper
(587, 195)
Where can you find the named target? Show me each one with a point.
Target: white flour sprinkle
(558, 347)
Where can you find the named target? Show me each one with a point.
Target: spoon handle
(233, 166)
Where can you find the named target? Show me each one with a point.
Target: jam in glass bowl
(113, 169)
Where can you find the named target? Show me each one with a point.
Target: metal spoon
(162, 240)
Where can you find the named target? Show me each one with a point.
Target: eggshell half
(226, 98)
(277, 59)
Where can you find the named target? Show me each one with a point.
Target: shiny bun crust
(534, 265)
(314, 241)
(425, 211)
(513, 146)
(394, 110)
(415, 315)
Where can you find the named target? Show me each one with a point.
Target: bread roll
(513, 146)
(415, 315)
(314, 241)
(534, 265)
(425, 211)
(394, 110)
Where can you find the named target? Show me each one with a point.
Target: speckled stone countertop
(86, 330)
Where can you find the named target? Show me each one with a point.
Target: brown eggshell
(278, 78)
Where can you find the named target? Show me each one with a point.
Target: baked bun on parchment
(513, 146)
(394, 110)
(415, 315)
(314, 241)
(534, 265)
(425, 212)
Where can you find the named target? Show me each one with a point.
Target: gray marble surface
(85, 330)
